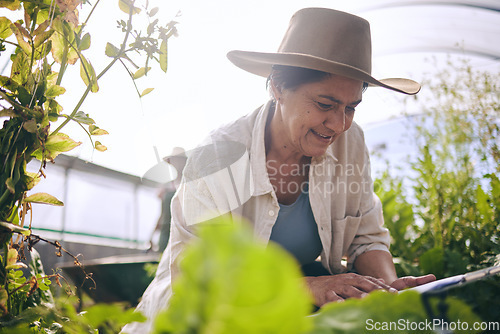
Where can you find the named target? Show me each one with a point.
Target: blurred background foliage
(442, 205)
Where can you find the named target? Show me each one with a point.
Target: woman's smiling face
(310, 117)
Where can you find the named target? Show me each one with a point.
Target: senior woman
(297, 168)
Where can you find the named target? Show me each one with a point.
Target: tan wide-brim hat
(325, 40)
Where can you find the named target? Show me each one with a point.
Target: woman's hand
(411, 281)
(326, 289)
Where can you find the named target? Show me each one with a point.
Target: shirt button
(271, 213)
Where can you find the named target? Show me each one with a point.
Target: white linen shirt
(228, 175)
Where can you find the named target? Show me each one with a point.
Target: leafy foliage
(63, 317)
(389, 313)
(230, 283)
(455, 197)
(47, 41)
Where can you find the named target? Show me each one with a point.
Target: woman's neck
(277, 148)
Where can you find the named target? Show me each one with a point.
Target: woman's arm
(379, 264)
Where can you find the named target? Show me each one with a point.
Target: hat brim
(260, 63)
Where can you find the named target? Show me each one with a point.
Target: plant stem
(91, 12)
(62, 69)
(82, 99)
(89, 86)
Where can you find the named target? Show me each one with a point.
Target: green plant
(63, 317)
(47, 40)
(455, 193)
(231, 283)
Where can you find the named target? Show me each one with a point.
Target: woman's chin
(317, 152)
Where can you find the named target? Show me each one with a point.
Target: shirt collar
(258, 152)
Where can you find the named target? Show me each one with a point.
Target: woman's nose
(335, 121)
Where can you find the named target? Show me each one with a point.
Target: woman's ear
(275, 90)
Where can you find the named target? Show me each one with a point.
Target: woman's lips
(321, 136)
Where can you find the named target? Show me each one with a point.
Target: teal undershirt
(296, 230)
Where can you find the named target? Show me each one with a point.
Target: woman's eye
(324, 106)
(350, 109)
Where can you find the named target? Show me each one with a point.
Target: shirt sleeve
(371, 233)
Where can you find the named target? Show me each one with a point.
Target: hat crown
(329, 34)
(325, 40)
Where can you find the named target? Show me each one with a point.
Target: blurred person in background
(177, 159)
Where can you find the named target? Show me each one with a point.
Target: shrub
(449, 223)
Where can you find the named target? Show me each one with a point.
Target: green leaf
(146, 91)
(25, 46)
(8, 83)
(43, 51)
(432, 261)
(8, 113)
(163, 55)
(11, 256)
(19, 71)
(55, 145)
(5, 30)
(85, 42)
(87, 74)
(83, 118)
(231, 282)
(31, 180)
(42, 37)
(153, 12)
(151, 27)
(111, 50)
(495, 186)
(14, 216)
(3, 297)
(41, 28)
(43, 198)
(96, 131)
(54, 90)
(382, 312)
(17, 265)
(141, 72)
(31, 126)
(25, 97)
(127, 6)
(15, 228)
(54, 109)
(100, 147)
(9, 183)
(62, 40)
(40, 90)
(11, 4)
(100, 314)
